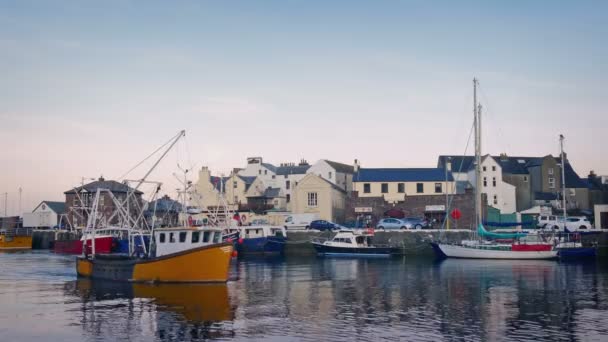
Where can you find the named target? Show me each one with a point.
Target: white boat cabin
(174, 240)
(252, 232)
(349, 238)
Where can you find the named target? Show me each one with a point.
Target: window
(552, 182)
(276, 202)
(259, 172)
(287, 185)
(329, 175)
(525, 178)
(550, 171)
(384, 188)
(419, 188)
(206, 237)
(495, 199)
(196, 236)
(182, 236)
(102, 200)
(485, 181)
(265, 172)
(75, 201)
(162, 237)
(401, 187)
(171, 238)
(367, 188)
(235, 184)
(484, 169)
(438, 189)
(217, 237)
(288, 198)
(494, 181)
(493, 168)
(273, 176)
(312, 199)
(544, 218)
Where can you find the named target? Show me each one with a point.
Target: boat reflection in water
(173, 311)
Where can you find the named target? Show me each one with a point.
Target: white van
(299, 221)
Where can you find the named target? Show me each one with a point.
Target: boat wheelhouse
(262, 239)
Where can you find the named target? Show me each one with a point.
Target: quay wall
(415, 243)
(43, 239)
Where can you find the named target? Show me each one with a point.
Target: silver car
(393, 223)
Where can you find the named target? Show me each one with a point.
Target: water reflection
(181, 312)
(313, 300)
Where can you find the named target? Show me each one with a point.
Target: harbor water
(311, 299)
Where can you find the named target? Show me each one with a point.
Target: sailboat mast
(561, 148)
(477, 121)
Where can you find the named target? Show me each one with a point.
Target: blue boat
(261, 240)
(351, 243)
(570, 247)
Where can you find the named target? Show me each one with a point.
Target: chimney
(101, 179)
(448, 164)
(356, 166)
(504, 157)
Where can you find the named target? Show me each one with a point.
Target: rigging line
(490, 115)
(145, 159)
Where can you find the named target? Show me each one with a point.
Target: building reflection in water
(336, 299)
(166, 312)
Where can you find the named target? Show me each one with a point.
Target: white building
(336, 173)
(500, 194)
(46, 215)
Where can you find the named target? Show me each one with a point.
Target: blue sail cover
(484, 233)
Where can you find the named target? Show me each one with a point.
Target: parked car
(555, 222)
(299, 221)
(548, 222)
(578, 222)
(393, 223)
(415, 222)
(322, 225)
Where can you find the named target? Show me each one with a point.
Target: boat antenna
(477, 121)
(561, 148)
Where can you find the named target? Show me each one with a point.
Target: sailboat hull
(464, 252)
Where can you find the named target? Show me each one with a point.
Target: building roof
(57, 207)
(270, 167)
(339, 167)
(218, 182)
(402, 175)
(165, 204)
(111, 185)
(292, 170)
(459, 163)
(247, 179)
(572, 178)
(272, 192)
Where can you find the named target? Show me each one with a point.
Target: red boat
(531, 247)
(103, 245)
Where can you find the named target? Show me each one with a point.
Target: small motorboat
(354, 243)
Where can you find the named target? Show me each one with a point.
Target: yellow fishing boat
(15, 239)
(177, 255)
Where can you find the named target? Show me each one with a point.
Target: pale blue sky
(90, 88)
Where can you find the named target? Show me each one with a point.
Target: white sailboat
(524, 246)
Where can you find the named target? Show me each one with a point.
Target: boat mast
(477, 124)
(561, 148)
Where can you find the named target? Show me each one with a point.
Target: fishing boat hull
(577, 253)
(206, 264)
(261, 245)
(103, 245)
(466, 252)
(369, 252)
(15, 242)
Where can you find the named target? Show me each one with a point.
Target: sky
(91, 88)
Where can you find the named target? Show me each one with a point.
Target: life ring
(243, 218)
